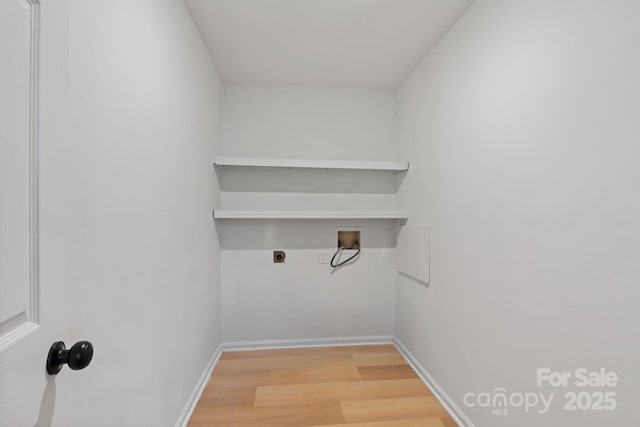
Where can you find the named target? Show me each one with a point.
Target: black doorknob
(78, 356)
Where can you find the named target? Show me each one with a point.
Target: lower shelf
(319, 214)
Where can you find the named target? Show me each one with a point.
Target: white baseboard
(445, 400)
(306, 342)
(186, 413)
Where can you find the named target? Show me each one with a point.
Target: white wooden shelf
(270, 188)
(262, 162)
(308, 214)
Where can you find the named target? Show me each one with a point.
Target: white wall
(522, 127)
(129, 253)
(302, 298)
(314, 122)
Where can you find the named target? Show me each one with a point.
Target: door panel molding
(25, 389)
(16, 328)
(34, 288)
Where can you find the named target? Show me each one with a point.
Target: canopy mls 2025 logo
(583, 390)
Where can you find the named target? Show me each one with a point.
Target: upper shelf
(309, 214)
(261, 162)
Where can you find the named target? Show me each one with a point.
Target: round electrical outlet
(278, 256)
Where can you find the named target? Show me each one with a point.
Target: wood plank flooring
(358, 386)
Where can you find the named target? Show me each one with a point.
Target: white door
(27, 393)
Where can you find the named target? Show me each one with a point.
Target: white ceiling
(360, 43)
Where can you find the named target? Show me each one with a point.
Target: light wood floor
(360, 386)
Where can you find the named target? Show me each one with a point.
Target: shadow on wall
(283, 180)
(303, 234)
(47, 403)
